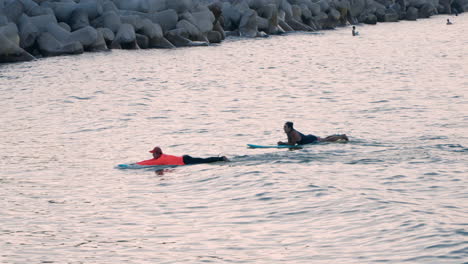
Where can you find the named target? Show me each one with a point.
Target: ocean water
(396, 193)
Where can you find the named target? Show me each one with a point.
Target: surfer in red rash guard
(159, 158)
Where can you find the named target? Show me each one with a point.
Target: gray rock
(107, 35)
(142, 41)
(204, 20)
(231, 15)
(10, 31)
(248, 24)
(160, 43)
(41, 22)
(283, 26)
(78, 19)
(167, 19)
(218, 28)
(461, 4)
(262, 23)
(411, 13)
(180, 6)
(189, 30)
(333, 19)
(65, 26)
(157, 6)
(3, 20)
(427, 10)
(370, 19)
(133, 5)
(28, 5)
(324, 5)
(87, 36)
(39, 11)
(108, 20)
(214, 37)
(177, 39)
(380, 14)
(314, 8)
(13, 10)
(150, 29)
(125, 38)
(391, 17)
(296, 12)
(270, 13)
(357, 7)
(11, 52)
(285, 6)
(28, 32)
(306, 14)
(50, 46)
(134, 20)
(109, 6)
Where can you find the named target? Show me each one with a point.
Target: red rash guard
(163, 160)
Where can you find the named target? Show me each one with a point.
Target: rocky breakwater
(40, 28)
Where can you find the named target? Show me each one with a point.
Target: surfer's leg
(191, 160)
(334, 138)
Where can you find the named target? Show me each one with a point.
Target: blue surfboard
(136, 166)
(274, 146)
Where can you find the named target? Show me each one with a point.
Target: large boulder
(427, 10)
(411, 13)
(107, 35)
(134, 20)
(189, 30)
(357, 7)
(214, 37)
(88, 37)
(333, 19)
(167, 19)
(64, 10)
(248, 24)
(125, 38)
(100, 44)
(50, 46)
(133, 5)
(11, 52)
(150, 29)
(155, 6)
(3, 20)
(180, 6)
(160, 43)
(109, 6)
(370, 19)
(78, 19)
(218, 28)
(13, 10)
(461, 5)
(283, 26)
(108, 20)
(231, 16)
(10, 31)
(142, 41)
(204, 20)
(28, 32)
(176, 37)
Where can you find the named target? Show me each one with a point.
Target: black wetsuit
(191, 160)
(306, 139)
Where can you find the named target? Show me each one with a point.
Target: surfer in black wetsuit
(296, 137)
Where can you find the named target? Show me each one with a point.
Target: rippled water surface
(396, 193)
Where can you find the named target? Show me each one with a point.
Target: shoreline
(31, 29)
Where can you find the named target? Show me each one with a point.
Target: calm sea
(396, 193)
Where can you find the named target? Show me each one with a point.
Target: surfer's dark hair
(290, 124)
